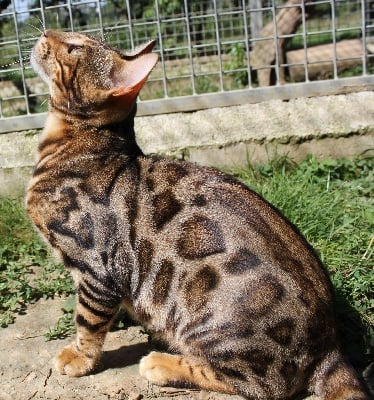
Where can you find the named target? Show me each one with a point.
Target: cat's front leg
(92, 321)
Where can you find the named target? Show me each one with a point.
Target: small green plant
(206, 84)
(27, 272)
(65, 324)
(238, 62)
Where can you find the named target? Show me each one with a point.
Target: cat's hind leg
(179, 371)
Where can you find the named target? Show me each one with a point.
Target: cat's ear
(134, 71)
(140, 50)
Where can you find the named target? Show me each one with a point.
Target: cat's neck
(60, 129)
(125, 131)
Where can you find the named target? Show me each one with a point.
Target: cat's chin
(37, 65)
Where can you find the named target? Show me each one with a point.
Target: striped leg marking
(83, 356)
(174, 370)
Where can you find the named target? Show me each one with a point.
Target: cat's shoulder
(173, 171)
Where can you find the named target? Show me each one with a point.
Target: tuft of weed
(65, 325)
(27, 271)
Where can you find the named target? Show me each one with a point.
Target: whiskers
(37, 29)
(44, 102)
(107, 34)
(11, 64)
(15, 67)
(40, 29)
(24, 50)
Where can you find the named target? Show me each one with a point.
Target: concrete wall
(330, 126)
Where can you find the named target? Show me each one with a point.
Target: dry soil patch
(26, 364)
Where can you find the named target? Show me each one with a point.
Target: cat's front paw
(151, 368)
(70, 361)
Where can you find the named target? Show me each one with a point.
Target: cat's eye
(73, 47)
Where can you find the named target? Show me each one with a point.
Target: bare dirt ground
(27, 373)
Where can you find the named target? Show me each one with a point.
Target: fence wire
(212, 52)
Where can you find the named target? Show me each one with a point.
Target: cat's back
(202, 212)
(232, 280)
(186, 212)
(212, 228)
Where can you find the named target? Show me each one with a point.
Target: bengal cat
(190, 252)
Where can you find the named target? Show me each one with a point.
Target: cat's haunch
(190, 252)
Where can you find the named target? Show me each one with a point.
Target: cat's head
(88, 79)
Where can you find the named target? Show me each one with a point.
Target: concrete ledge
(330, 126)
(293, 121)
(13, 181)
(242, 154)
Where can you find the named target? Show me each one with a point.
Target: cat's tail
(334, 379)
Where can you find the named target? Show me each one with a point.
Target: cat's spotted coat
(190, 252)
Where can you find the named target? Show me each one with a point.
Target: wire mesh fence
(212, 52)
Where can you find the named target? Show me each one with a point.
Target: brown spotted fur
(193, 254)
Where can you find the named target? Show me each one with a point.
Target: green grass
(331, 202)
(27, 271)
